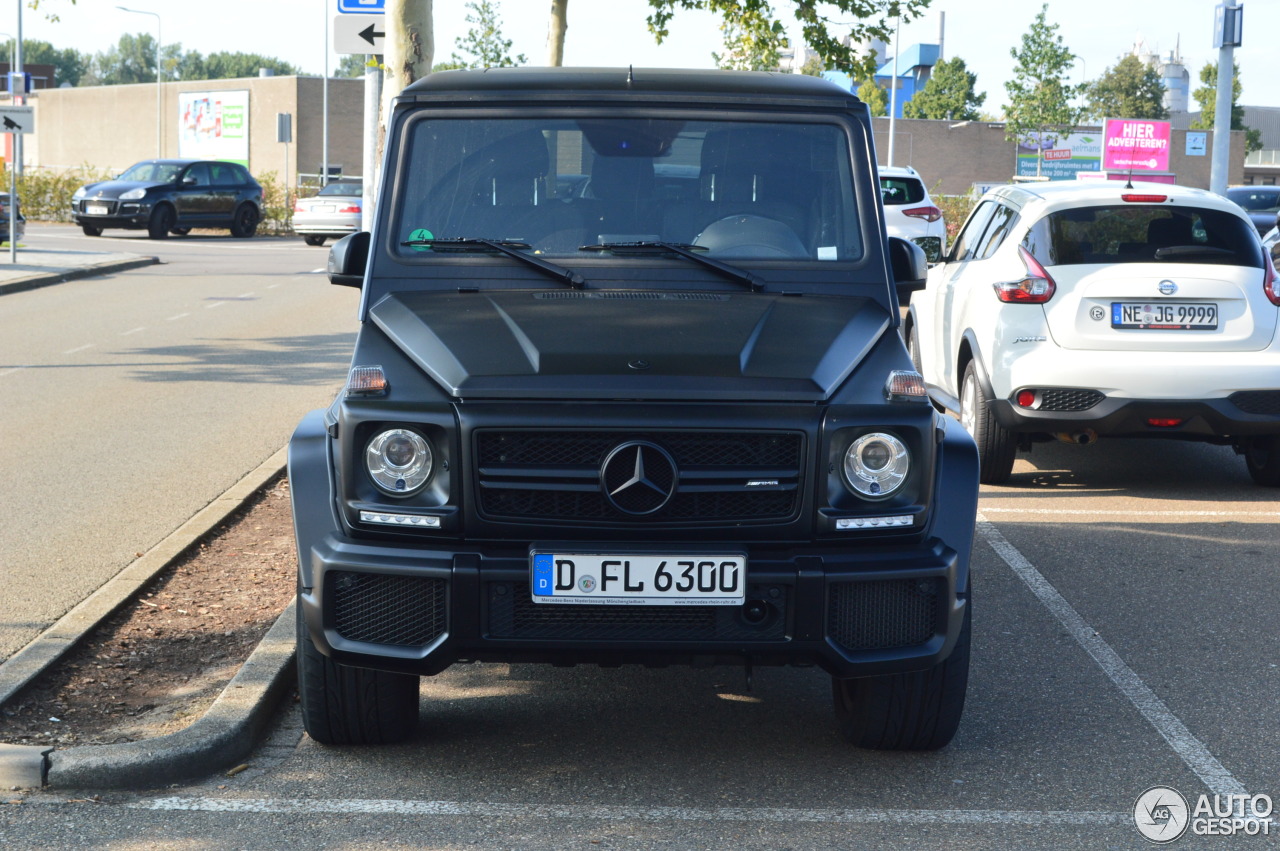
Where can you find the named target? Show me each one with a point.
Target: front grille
(724, 477)
(513, 614)
(884, 614)
(1265, 403)
(406, 611)
(1067, 399)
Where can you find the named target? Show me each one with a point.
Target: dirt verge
(157, 664)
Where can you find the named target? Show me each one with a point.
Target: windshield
(1142, 234)
(348, 189)
(152, 172)
(735, 190)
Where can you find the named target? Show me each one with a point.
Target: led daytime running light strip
(846, 523)
(388, 519)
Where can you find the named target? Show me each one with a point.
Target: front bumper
(418, 610)
(123, 214)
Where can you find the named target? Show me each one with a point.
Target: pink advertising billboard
(1139, 144)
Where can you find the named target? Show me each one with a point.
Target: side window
(225, 174)
(1002, 221)
(199, 172)
(971, 234)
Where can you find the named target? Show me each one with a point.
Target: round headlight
(133, 194)
(78, 194)
(876, 464)
(399, 461)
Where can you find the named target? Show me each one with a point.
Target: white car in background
(910, 213)
(1094, 309)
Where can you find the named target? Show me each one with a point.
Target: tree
(948, 94)
(352, 65)
(1039, 93)
(484, 43)
(753, 19)
(131, 60)
(813, 66)
(876, 97)
(225, 65)
(1129, 89)
(753, 49)
(555, 32)
(1207, 97)
(69, 65)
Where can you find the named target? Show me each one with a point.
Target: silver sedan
(333, 211)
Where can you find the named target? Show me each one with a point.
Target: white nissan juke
(1087, 309)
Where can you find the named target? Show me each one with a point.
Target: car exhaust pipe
(1079, 438)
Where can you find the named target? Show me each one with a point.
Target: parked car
(172, 196)
(667, 421)
(20, 223)
(910, 213)
(334, 211)
(1090, 309)
(1262, 203)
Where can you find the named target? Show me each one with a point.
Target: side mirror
(909, 267)
(189, 180)
(348, 258)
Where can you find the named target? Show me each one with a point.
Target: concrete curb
(62, 274)
(264, 681)
(223, 736)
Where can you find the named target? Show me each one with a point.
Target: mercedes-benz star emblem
(638, 477)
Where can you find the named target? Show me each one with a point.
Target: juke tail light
(1270, 285)
(1036, 287)
(928, 213)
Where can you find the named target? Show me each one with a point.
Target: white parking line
(13, 370)
(134, 331)
(1085, 512)
(781, 815)
(1191, 750)
(78, 349)
(214, 304)
(178, 316)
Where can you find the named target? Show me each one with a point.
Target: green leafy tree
(483, 46)
(756, 48)
(225, 65)
(131, 60)
(876, 97)
(352, 65)
(1040, 96)
(813, 66)
(832, 36)
(69, 65)
(1207, 97)
(1129, 89)
(948, 94)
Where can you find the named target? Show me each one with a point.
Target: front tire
(244, 223)
(912, 711)
(90, 230)
(352, 706)
(1262, 457)
(313, 239)
(997, 446)
(180, 231)
(162, 219)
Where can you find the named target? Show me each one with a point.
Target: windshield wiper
(509, 247)
(741, 276)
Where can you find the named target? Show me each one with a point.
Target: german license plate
(639, 580)
(1164, 316)
(97, 209)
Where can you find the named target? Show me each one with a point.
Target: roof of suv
(631, 81)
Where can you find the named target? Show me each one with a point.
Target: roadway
(133, 400)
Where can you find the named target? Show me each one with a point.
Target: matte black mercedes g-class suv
(629, 388)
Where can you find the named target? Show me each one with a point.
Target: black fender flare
(310, 486)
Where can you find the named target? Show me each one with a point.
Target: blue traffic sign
(368, 7)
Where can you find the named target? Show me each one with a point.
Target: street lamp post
(159, 81)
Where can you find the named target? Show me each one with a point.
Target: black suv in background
(172, 196)
(668, 420)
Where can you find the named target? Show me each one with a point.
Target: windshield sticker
(421, 233)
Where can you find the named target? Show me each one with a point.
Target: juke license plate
(610, 579)
(1164, 316)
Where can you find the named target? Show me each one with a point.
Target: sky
(613, 32)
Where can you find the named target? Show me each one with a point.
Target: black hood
(633, 345)
(113, 189)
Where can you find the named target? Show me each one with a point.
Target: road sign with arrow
(359, 33)
(17, 119)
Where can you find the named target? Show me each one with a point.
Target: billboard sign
(214, 126)
(1059, 156)
(1136, 144)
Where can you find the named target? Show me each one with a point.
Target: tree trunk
(555, 34)
(410, 50)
